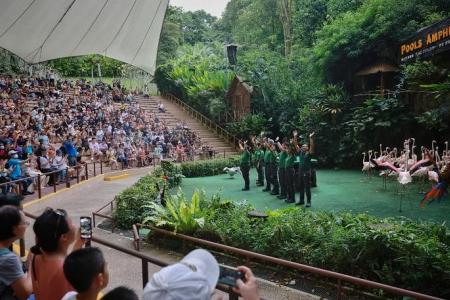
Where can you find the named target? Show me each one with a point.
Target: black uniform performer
(289, 172)
(304, 170)
(281, 168)
(273, 168)
(267, 167)
(245, 164)
(258, 157)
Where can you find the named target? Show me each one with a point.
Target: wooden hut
(239, 99)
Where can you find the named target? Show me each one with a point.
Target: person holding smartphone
(196, 277)
(247, 288)
(55, 233)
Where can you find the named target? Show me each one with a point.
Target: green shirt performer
(304, 169)
(245, 163)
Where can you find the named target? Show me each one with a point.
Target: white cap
(11, 152)
(194, 277)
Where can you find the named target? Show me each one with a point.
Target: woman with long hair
(54, 232)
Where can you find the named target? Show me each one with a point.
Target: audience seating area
(57, 126)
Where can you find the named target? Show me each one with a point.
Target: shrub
(130, 203)
(398, 252)
(208, 167)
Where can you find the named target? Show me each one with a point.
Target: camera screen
(85, 227)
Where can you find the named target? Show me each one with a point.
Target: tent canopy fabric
(41, 30)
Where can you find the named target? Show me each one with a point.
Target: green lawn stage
(337, 191)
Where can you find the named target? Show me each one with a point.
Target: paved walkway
(90, 195)
(83, 199)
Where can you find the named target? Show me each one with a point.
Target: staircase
(174, 113)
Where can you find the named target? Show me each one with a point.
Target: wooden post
(39, 186)
(54, 182)
(67, 178)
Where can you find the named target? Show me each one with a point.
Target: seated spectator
(54, 232)
(14, 282)
(45, 166)
(195, 277)
(59, 163)
(87, 272)
(121, 293)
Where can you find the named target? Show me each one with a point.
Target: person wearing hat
(245, 163)
(15, 164)
(273, 168)
(195, 277)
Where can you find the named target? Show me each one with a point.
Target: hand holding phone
(247, 288)
(229, 277)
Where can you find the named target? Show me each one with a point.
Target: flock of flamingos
(405, 165)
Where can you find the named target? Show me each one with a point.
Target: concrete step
(175, 114)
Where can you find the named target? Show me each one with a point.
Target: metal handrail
(53, 175)
(296, 266)
(204, 120)
(145, 260)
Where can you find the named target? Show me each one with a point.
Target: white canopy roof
(41, 30)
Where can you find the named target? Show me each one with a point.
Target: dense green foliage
(133, 202)
(310, 86)
(138, 202)
(130, 202)
(391, 251)
(83, 66)
(208, 167)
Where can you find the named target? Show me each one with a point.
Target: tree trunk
(286, 21)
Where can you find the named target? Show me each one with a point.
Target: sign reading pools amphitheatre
(428, 41)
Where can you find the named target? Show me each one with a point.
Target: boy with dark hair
(121, 293)
(86, 271)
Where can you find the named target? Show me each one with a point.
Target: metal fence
(345, 286)
(145, 260)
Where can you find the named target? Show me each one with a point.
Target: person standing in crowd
(245, 163)
(15, 164)
(14, 282)
(273, 168)
(281, 168)
(259, 162)
(267, 170)
(87, 271)
(54, 233)
(196, 277)
(304, 170)
(289, 172)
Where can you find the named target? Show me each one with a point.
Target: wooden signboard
(427, 42)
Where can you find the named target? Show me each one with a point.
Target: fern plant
(179, 214)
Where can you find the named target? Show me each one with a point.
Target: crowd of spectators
(49, 125)
(61, 265)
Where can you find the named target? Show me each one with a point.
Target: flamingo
(367, 165)
(403, 174)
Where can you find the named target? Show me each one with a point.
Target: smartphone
(86, 227)
(228, 276)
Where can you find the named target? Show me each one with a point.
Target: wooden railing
(231, 139)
